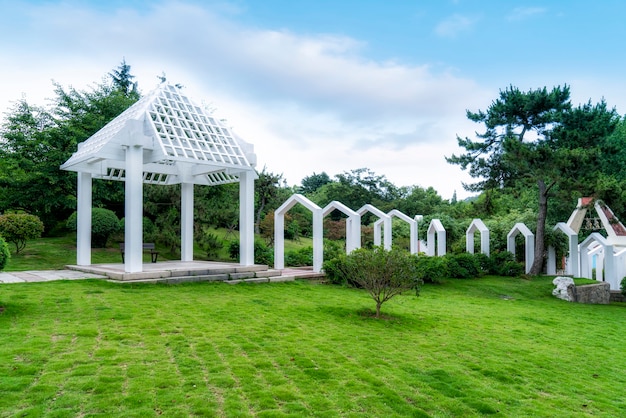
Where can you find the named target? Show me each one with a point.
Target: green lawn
(464, 348)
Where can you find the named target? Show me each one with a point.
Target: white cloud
(307, 103)
(452, 26)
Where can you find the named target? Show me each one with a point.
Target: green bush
(300, 257)
(383, 274)
(5, 254)
(622, 285)
(104, 223)
(503, 263)
(431, 269)
(463, 266)
(17, 228)
(334, 269)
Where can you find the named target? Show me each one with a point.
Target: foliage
(5, 254)
(503, 263)
(431, 269)
(35, 141)
(310, 184)
(383, 274)
(535, 138)
(462, 265)
(335, 268)
(263, 254)
(622, 285)
(299, 257)
(211, 244)
(18, 228)
(104, 223)
(271, 192)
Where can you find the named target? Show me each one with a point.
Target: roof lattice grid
(186, 131)
(176, 134)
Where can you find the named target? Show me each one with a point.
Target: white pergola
(164, 138)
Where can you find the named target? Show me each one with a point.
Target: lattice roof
(181, 142)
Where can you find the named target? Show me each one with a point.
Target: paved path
(45, 276)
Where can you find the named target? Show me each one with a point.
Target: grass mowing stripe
(463, 348)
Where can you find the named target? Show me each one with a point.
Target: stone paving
(45, 276)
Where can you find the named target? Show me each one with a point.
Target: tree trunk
(542, 214)
(378, 309)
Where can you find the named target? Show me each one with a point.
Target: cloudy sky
(326, 85)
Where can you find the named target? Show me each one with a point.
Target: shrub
(622, 285)
(503, 263)
(17, 228)
(334, 269)
(463, 266)
(300, 257)
(431, 269)
(384, 274)
(104, 223)
(5, 254)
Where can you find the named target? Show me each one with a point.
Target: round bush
(104, 223)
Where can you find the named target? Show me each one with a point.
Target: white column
(318, 240)
(246, 218)
(387, 234)
(133, 213)
(186, 221)
(83, 222)
(279, 240)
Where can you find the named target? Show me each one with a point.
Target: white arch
(412, 225)
(597, 245)
(436, 227)
(572, 262)
(529, 243)
(353, 224)
(386, 224)
(279, 232)
(477, 225)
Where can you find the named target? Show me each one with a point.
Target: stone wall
(599, 293)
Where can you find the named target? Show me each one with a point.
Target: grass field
(491, 346)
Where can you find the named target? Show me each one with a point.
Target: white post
(318, 240)
(279, 241)
(246, 218)
(186, 221)
(133, 233)
(83, 221)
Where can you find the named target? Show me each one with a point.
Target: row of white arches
(594, 252)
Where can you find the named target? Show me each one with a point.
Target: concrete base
(194, 271)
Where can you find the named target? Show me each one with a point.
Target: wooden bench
(146, 246)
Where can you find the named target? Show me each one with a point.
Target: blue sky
(327, 85)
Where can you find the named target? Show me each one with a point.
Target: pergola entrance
(163, 139)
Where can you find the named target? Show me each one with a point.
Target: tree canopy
(537, 139)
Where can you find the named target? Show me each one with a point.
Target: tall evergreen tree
(536, 139)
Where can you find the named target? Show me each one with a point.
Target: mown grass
(492, 346)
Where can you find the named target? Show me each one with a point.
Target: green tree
(530, 141)
(18, 228)
(271, 192)
(35, 141)
(313, 182)
(383, 274)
